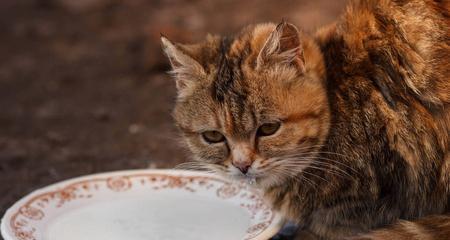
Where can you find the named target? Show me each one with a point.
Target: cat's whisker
(201, 166)
(310, 163)
(329, 165)
(302, 155)
(329, 168)
(321, 178)
(290, 174)
(318, 152)
(306, 173)
(332, 168)
(282, 172)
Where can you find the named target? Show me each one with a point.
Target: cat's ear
(283, 46)
(186, 70)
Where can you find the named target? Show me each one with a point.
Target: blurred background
(83, 87)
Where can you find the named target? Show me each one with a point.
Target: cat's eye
(213, 136)
(268, 129)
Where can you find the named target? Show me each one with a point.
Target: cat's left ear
(186, 70)
(283, 46)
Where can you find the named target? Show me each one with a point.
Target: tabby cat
(345, 130)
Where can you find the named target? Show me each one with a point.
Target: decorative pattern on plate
(26, 220)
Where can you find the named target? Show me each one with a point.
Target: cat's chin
(241, 178)
(255, 180)
(260, 182)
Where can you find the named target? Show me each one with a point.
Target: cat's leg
(428, 228)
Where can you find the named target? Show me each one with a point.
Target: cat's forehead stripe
(228, 85)
(230, 88)
(228, 71)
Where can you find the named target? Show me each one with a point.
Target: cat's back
(408, 38)
(393, 58)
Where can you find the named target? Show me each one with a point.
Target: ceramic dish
(142, 205)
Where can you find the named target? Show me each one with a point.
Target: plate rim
(271, 230)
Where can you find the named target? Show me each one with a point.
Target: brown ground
(82, 82)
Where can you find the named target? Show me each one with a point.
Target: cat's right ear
(282, 46)
(186, 70)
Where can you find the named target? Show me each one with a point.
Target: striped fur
(363, 148)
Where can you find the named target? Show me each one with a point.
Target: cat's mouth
(253, 177)
(267, 176)
(253, 181)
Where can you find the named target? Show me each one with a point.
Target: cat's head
(252, 106)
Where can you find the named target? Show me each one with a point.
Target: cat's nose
(242, 157)
(243, 166)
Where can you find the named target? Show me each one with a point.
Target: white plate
(142, 205)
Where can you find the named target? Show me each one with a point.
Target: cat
(345, 130)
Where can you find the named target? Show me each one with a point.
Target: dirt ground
(83, 87)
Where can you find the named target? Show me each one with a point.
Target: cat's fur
(363, 149)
